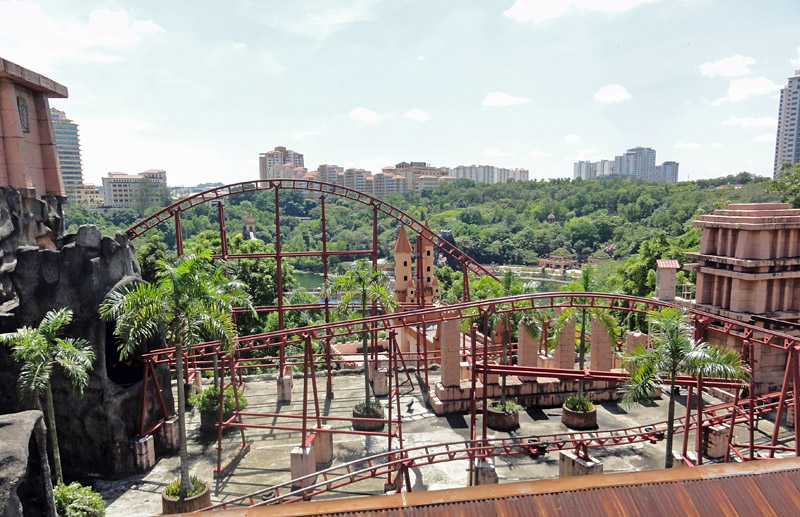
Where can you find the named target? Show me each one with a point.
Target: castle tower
(426, 262)
(402, 266)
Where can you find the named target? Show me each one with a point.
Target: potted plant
(197, 498)
(373, 410)
(363, 283)
(503, 416)
(190, 302)
(207, 403)
(579, 413)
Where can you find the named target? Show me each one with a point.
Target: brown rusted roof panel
(754, 488)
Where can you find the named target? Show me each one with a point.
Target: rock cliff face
(96, 430)
(25, 487)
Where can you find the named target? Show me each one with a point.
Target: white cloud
(733, 65)
(494, 99)
(272, 64)
(364, 115)
(420, 58)
(373, 164)
(536, 153)
(687, 145)
(34, 39)
(740, 89)
(538, 11)
(417, 114)
(312, 18)
(769, 137)
(584, 154)
(497, 153)
(796, 61)
(612, 93)
(572, 139)
(750, 121)
(239, 46)
(716, 145)
(302, 135)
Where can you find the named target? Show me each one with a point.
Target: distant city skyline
(364, 83)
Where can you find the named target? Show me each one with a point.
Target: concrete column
(485, 472)
(285, 385)
(168, 434)
(323, 448)
(601, 354)
(717, 444)
(451, 357)
(569, 464)
(527, 348)
(145, 452)
(380, 382)
(565, 349)
(302, 463)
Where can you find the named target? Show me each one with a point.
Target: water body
(308, 280)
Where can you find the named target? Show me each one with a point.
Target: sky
(200, 88)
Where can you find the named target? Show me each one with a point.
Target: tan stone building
(28, 157)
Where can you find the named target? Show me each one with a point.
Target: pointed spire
(403, 245)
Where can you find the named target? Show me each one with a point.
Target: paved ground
(267, 463)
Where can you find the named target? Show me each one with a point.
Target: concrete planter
(502, 421)
(360, 425)
(190, 504)
(208, 422)
(579, 419)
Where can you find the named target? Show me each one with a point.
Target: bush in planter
(579, 404)
(509, 406)
(76, 500)
(374, 408)
(207, 401)
(173, 489)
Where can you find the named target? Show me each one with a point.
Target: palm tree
(362, 283)
(40, 350)
(189, 302)
(585, 283)
(673, 351)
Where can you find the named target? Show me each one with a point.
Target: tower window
(429, 269)
(405, 278)
(405, 263)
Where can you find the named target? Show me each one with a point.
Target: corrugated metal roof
(754, 488)
(668, 264)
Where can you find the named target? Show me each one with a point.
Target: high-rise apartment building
(69, 155)
(488, 173)
(639, 162)
(122, 190)
(787, 143)
(280, 156)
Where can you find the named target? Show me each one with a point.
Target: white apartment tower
(280, 156)
(68, 147)
(787, 143)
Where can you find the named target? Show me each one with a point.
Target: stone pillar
(570, 464)
(565, 349)
(145, 452)
(402, 340)
(168, 434)
(601, 353)
(323, 448)
(716, 446)
(665, 283)
(485, 473)
(380, 382)
(303, 463)
(527, 348)
(285, 385)
(451, 353)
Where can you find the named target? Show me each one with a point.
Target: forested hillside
(629, 221)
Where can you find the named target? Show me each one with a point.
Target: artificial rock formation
(25, 487)
(95, 431)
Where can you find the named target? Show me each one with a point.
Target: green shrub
(374, 408)
(174, 488)
(574, 403)
(76, 500)
(510, 406)
(207, 401)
